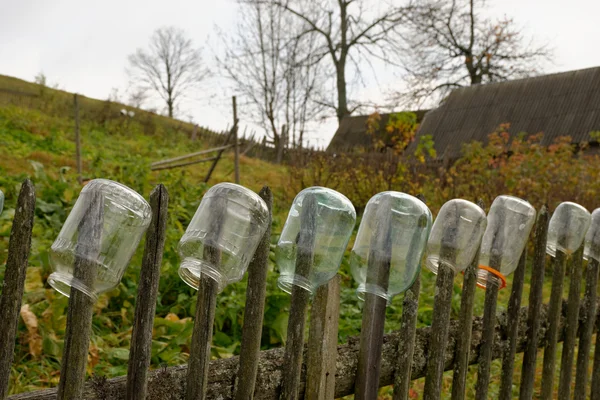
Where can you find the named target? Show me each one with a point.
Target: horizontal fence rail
(222, 373)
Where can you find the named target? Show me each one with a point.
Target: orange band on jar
(494, 272)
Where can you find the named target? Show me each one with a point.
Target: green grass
(38, 143)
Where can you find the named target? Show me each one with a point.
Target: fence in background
(327, 370)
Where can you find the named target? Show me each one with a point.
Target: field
(38, 142)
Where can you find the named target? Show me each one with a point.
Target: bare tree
(450, 44)
(265, 60)
(347, 34)
(170, 67)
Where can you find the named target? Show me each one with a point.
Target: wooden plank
(463, 344)
(165, 383)
(571, 325)
(79, 315)
(487, 340)
(145, 305)
(186, 156)
(371, 333)
(161, 167)
(589, 308)
(556, 301)
(14, 279)
(442, 305)
(536, 300)
(511, 334)
(292, 365)
(322, 342)
(595, 387)
(254, 310)
(198, 363)
(219, 154)
(406, 347)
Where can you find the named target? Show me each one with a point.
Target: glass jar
(456, 235)
(334, 221)
(110, 219)
(1, 201)
(592, 239)
(391, 239)
(567, 228)
(510, 220)
(222, 237)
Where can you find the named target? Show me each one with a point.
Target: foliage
(40, 146)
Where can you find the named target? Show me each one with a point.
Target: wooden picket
(322, 369)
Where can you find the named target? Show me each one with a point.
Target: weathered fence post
(292, 364)
(197, 374)
(322, 342)
(489, 326)
(408, 330)
(442, 306)
(535, 305)
(512, 329)
(572, 323)
(463, 342)
(77, 139)
(406, 347)
(585, 338)
(145, 305)
(548, 370)
(79, 315)
(14, 279)
(371, 333)
(254, 311)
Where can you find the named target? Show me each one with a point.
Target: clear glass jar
(456, 235)
(394, 229)
(1, 201)
(124, 217)
(334, 222)
(510, 220)
(567, 228)
(230, 221)
(592, 239)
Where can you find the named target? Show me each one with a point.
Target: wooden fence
(323, 369)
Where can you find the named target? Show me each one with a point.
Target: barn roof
(352, 132)
(556, 105)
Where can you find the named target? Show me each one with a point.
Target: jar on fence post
(591, 251)
(101, 233)
(391, 239)
(510, 220)
(567, 228)
(456, 235)
(223, 235)
(330, 224)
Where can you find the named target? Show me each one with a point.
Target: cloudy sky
(82, 46)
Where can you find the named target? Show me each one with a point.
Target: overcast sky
(82, 46)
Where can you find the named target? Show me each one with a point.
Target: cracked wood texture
(169, 383)
(145, 305)
(536, 298)
(81, 306)
(14, 279)
(294, 348)
(254, 310)
(322, 342)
